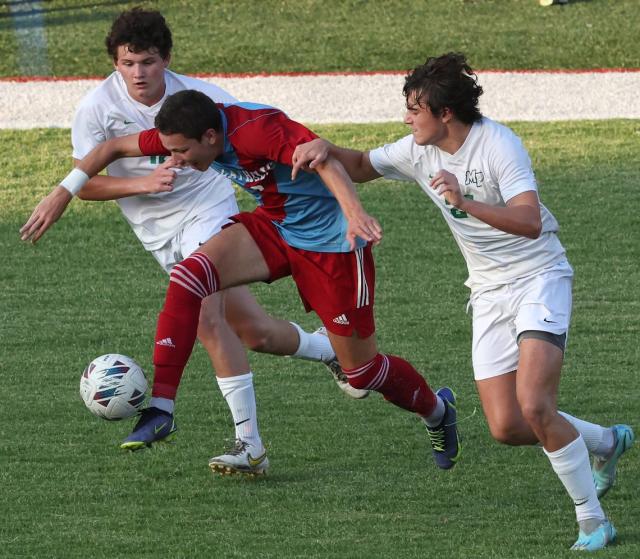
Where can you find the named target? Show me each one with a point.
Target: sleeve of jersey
(86, 131)
(272, 136)
(514, 172)
(394, 161)
(150, 144)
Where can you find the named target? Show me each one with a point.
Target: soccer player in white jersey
(479, 174)
(172, 212)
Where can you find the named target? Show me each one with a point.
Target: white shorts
(195, 233)
(541, 302)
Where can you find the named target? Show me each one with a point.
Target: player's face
(427, 128)
(187, 152)
(143, 74)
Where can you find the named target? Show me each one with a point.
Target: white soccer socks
(313, 346)
(571, 464)
(240, 396)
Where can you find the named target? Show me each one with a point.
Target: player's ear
(210, 136)
(167, 60)
(446, 115)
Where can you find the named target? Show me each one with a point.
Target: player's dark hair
(446, 81)
(190, 113)
(140, 30)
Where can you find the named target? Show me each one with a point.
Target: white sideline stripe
(31, 49)
(326, 98)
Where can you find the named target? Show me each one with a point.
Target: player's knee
(255, 336)
(537, 413)
(506, 433)
(210, 323)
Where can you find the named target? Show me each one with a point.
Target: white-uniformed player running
(479, 174)
(172, 212)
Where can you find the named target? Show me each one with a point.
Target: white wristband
(74, 181)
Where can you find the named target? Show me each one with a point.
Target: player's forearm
(101, 188)
(108, 152)
(336, 179)
(522, 220)
(355, 162)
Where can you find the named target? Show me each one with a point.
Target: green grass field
(348, 479)
(319, 35)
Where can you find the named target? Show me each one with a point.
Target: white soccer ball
(113, 386)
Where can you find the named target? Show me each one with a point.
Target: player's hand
(361, 224)
(446, 183)
(46, 213)
(162, 177)
(308, 156)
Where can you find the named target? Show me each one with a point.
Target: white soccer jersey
(492, 166)
(107, 112)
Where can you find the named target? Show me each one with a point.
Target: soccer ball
(113, 386)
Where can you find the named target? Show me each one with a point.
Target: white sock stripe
(208, 268)
(189, 277)
(359, 370)
(200, 259)
(381, 377)
(186, 286)
(186, 276)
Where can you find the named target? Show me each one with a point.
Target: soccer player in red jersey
(312, 228)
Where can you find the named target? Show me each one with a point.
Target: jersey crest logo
(475, 178)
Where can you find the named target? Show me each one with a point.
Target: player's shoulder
(179, 82)
(246, 116)
(108, 89)
(494, 132)
(100, 101)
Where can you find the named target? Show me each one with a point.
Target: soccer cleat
(155, 425)
(602, 536)
(239, 460)
(604, 469)
(339, 376)
(445, 439)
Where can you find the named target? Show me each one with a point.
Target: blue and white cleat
(155, 425)
(600, 538)
(604, 469)
(445, 439)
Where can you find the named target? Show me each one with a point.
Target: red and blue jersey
(259, 142)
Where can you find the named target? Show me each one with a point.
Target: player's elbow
(534, 229)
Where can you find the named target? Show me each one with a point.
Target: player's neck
(457, 133)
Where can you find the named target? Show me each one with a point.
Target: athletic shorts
(195, 233)
(338, 286)
(541, 302)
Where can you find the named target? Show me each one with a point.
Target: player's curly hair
(141, 30)
(446, 81)
(190, 113)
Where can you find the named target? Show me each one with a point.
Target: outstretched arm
(310, 155)
(52, 206)
(360, 223)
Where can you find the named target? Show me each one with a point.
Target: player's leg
(399, 383)
(537, 386)
(340, 288)
(502, 410)
(229, 258)
(265, 334)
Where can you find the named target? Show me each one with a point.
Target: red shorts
(338, 286)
